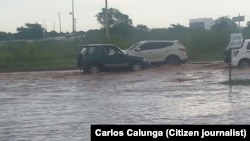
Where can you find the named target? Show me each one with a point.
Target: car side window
(110, 51)
(155, 45)
(91, 50)
(147, 46)
(248, 46)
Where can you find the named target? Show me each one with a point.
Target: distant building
(202, 23)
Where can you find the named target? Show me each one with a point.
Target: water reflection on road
(60, 106)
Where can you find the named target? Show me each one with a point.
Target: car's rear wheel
(173, 60)
(244, 63)
(136, 67)
(93, 69)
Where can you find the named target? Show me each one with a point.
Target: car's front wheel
(136, 67)
(93, 69)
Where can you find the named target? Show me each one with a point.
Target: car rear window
(248, 46)
(92, 50)
(167, 44)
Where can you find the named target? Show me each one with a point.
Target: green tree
(115, 17)
(118, 23)
(248, 23)
(6, 36)
(52, 34)
(224, 23)
(246, 31)
(141, 27)
(177, 28)
(30, 31)
(123, 29)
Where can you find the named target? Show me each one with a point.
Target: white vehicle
(236, 40)
(241, 57)
(160, 51)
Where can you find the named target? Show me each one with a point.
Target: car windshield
(133, 46)
(119, 50)
(83, 50)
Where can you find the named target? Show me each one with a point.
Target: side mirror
(138, 49)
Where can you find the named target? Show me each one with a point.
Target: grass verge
(38, 55)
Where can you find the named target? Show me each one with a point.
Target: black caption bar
(169, 132)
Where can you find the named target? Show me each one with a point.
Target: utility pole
(44, 29)
(73, 18)
(239, 22)
(60, 22)
(106, 19)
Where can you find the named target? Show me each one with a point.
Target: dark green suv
(101, 57)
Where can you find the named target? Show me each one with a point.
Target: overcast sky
(153, 13)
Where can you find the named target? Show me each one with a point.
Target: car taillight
(182, 49)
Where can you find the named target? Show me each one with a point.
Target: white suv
(241, 57)
(160, 51)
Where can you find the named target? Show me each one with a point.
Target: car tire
(92, 69)
(136, 67)
(173, 60)
(244, 63)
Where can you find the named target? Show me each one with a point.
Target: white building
(203, 23)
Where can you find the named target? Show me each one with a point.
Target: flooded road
(61, 105)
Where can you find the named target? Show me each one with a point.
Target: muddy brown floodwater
(61, 105)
